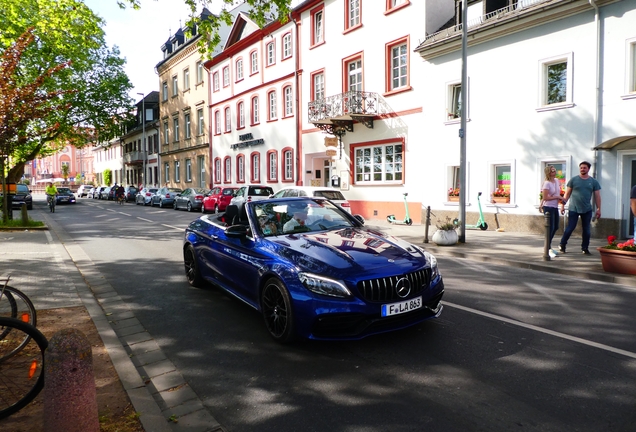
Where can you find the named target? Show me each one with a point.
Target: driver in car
(299, 218)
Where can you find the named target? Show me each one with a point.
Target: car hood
(352, 250)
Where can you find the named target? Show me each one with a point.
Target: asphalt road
(514, 349)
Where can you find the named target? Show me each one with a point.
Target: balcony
(134, 158)
(518, 16)
(337, 114)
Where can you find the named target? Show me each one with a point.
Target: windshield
(291, 216)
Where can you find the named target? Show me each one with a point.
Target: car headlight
(324, 286)
(433, 261)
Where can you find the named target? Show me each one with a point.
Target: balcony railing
(343, 106)
(133, 157)
(507, 12)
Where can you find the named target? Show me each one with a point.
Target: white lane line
(173, 227)
(125, 214)
(541, 290)
(143, 219)
(546, 331)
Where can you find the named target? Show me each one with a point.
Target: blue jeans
(586, 220)
(554, 221)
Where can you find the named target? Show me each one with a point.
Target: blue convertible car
(313, 270)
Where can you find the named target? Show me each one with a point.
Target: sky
(139, 34)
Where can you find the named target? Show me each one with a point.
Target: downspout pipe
(597, 96)
(297, 93)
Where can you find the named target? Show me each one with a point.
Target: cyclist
(119, 192)
(51, 193)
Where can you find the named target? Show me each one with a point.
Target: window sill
(455, 204)
(555, 107)
(505, 205)
(629, 96)
(397, 91)
(350, 29)
(455, 121)
(316, 45)
(397, 8)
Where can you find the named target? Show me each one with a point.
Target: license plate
(401, 307)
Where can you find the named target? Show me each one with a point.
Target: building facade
(549, 83)
(183, 113)
(140, 144)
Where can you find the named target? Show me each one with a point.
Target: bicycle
(21, 373)
(15, 304)
(120, 199)
(50, 199)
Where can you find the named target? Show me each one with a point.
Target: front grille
(384, 289)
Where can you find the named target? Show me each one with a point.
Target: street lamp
(143, 135)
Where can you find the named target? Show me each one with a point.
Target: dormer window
(175, 45)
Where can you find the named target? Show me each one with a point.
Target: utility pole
(462, 129)
(143, 136)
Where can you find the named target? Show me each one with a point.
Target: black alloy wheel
(277, 311)
(192, 267)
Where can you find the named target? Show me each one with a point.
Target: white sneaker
(552, 253)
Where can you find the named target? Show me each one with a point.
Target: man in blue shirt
(580, 190)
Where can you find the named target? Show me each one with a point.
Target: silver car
(165, 197)
(190, 199)
(145, 196)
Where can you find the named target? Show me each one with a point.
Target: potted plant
(453, 194)
(446, 233)
(501, 195)
(618, 257)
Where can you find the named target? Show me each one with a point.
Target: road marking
(125, 214)
(543, 330)
(145, 220)
(173, 227)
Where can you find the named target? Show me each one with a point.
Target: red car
(218, 199)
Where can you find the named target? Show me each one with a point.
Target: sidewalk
(514, 249)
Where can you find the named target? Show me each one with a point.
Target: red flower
(611, 239)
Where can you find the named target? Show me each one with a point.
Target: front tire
(160, 203)
(174, 205)
(192, 267)
(216, 209)
(189, 207)
(483, 226)
(277, 311)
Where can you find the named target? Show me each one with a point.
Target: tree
(92, 88)
(65, 169)
(262, 12)
(108, 174)
(22, 105)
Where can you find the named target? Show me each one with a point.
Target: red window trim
(282, 164)
(238, 157)
(348, 29)
(252, 171)
(312, 87)
(269, 179)
(312, 13)
(282, 47)
(217, 173)
(389, 65)
(345, 69)
(225, 179)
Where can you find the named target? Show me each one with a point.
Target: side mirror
(359, 218)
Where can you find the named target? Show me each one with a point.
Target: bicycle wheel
(21, 375)
(15, 304)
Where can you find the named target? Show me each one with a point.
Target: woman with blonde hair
(551, 191)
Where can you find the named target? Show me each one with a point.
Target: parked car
(95, 194)
(144, 196)
(164, 197)
(218, 199)
(250, 193)
(334, 195)
(22, 196)
(64, 196)
(83, 191)
(130, 192)
(190, 199)
(104, 193)
(329, 278)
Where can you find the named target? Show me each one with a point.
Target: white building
(548, 82)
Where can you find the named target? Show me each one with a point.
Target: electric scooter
(481, 222)
(407, 219)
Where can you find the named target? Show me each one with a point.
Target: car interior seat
(231, 215)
